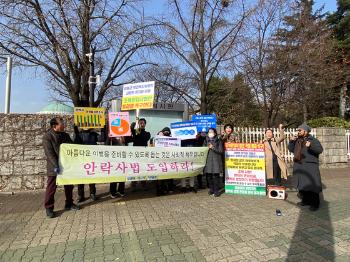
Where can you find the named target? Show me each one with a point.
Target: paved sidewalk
(179, 227)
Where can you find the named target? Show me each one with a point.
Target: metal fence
(256, 135)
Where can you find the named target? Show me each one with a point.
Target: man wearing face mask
(306, 170)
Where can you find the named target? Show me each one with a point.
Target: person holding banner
(275, 166)
(116, 141)
(306, 150)
(86, 137)
(51, 143)
(214, 166)
(140, 137)
(188, 143)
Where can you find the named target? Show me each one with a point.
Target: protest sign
(89, 117)
(245, 169)
(119, 124)
(204, 122)
(165, 141)
(184, 130)
(86, 164)
(138, 95)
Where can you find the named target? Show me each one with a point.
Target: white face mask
(211, 135)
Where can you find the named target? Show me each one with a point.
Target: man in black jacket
(306, 172)
(140, 137)
(51, 143)
(86, 137)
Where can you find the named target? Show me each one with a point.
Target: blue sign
(184, 130)
(204, 122)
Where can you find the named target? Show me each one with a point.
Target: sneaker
(120, 194)
(50, 213)
(81, 199)
(72, 207)
(183, 190)
(193, 189)
(210, 193)
(216, 195)
(114, 196)
(93, 197)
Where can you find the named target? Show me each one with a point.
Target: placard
(119, 124)
(245, 169)
(89, 117)
(138, 95)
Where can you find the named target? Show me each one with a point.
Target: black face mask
(166, 133)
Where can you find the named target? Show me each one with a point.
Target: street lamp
(8, 83)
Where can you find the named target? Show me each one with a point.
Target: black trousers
(113, 188)
(81, 193)
(214, 182)
(276, 172)
(51, 190)
(310, 198)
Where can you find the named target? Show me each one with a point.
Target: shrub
(329, 122)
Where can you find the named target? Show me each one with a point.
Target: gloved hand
(57, 170)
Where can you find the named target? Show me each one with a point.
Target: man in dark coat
(86, 137)
(140, 137)
(51, 143)
(306, 150)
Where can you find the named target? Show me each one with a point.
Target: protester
(51, 143)
(140, 137)
(228, 135)
(86, 137)
(214, 166)
(199, 143)
(306, 150)
(116, 141)
(188, 143)
(275, 165)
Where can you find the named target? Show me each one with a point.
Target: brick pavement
(179, 227)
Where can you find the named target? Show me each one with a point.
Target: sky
(30, 90)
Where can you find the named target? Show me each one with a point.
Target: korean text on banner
(164, 141)
(245, 169)
(89, 117)
(138, 95)
(86, 164)
(204, 122)
(119, 124)
(184, 130)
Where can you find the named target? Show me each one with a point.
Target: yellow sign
(89, 117)
(138, 96)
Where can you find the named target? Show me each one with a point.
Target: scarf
(299, 144)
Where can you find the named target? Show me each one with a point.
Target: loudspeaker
(276, 192)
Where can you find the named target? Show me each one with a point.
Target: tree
(264, 77)
(202, 37)
(233, 102)
(56, 35)
(340, 24)
(303, 50)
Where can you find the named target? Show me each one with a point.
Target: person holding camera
(306, 150)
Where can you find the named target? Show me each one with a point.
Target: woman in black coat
(214, 166)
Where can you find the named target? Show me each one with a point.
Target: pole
(92, 80)
(8, 85)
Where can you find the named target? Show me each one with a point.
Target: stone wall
(334, 142)
(22, 159)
